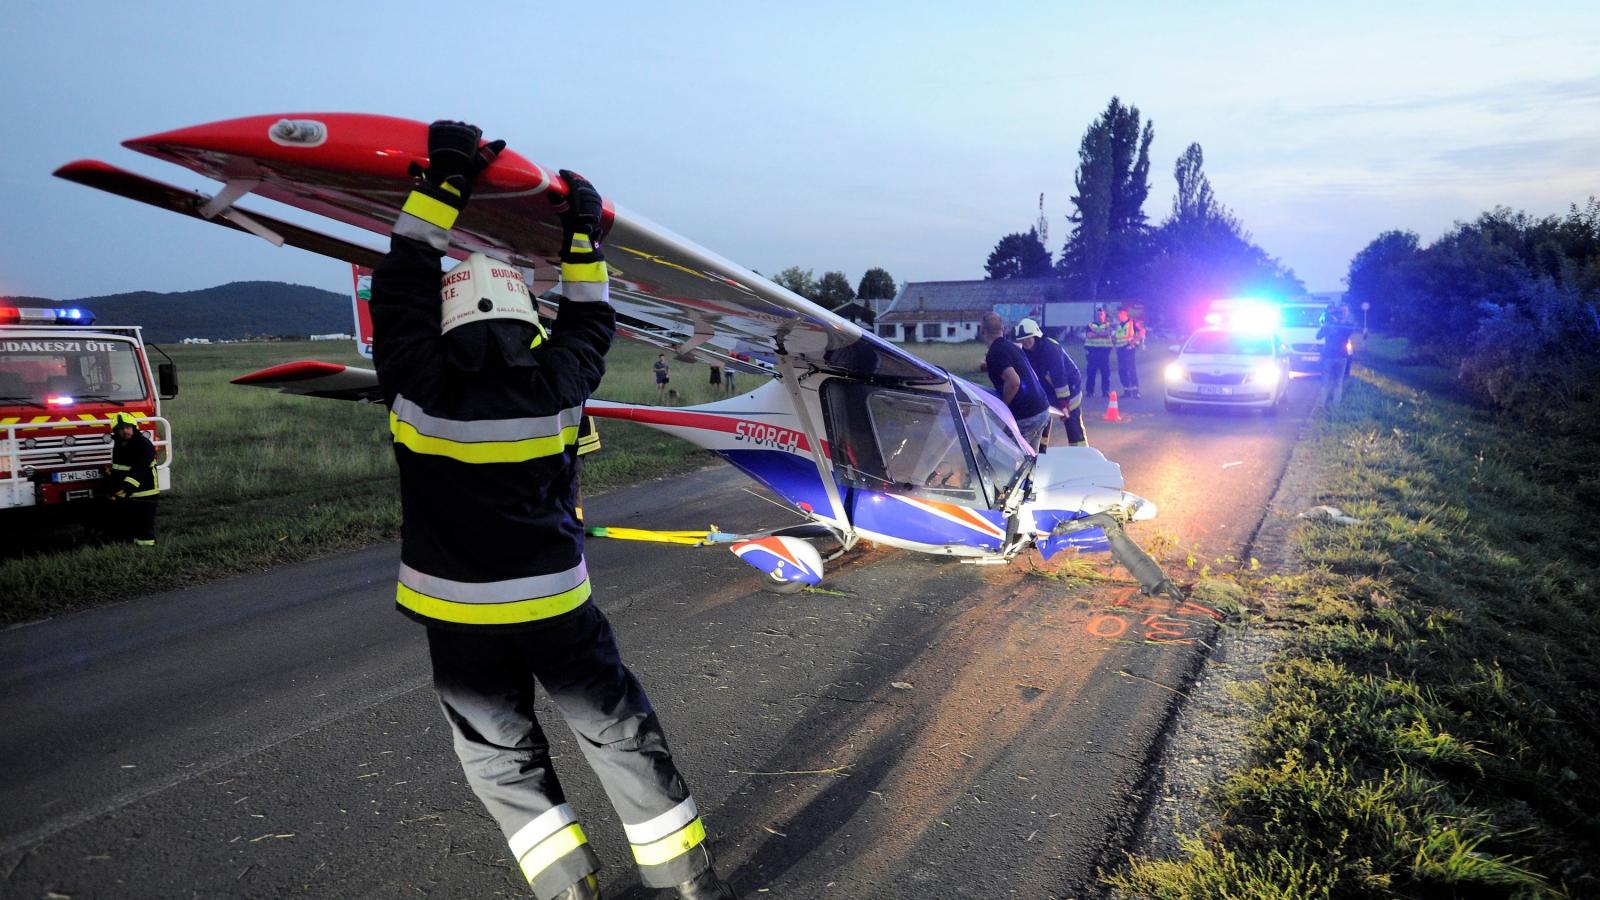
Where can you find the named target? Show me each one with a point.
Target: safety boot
(705, 886)
(585, 888)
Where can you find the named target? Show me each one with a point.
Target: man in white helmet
(1060, 376)
(484, 408)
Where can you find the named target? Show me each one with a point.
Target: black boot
(705, 886)
(586, 888)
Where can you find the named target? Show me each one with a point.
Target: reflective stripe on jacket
(489, 535)
(133, 467)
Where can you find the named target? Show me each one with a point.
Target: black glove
(580, 215)
(455, 160)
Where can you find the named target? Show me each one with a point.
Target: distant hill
(230, 311)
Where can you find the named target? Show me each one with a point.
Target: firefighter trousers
(486, 686)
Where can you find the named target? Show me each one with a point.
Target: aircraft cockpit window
(901, 442)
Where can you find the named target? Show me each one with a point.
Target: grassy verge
(1432, 731)
(261, 479)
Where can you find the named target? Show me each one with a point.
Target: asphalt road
(924, 729)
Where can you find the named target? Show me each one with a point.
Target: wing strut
(222, 205)
(825, 471)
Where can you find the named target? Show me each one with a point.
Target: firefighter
(1126, 336)
(1097, 343)
(132, 487)
(1060, 376)
(485, 428)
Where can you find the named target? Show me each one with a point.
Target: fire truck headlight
(29, 443)
(69, 440)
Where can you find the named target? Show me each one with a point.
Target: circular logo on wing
(298, 133)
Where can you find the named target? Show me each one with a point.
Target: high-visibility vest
(1098, 335)
(1126, 334)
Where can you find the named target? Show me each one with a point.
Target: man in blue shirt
(1015, 381)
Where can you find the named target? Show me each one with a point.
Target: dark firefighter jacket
(1056, 369)
(133, 467)
(490, 536)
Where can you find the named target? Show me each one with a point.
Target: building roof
(934, 315)
(942, 298)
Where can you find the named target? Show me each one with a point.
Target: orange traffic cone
(1112, 415)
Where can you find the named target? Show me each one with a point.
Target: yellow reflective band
(121, 468)
(145, 543)
(408, 436)
(581, 243)
(451, 188)
(131, 480)
(435, 212)
(595, 271)
(553, 848)
(9, 420)
(672, 846)
(492, 613)
(150, 493)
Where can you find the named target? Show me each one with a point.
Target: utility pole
(1044, 241)
(1044, 224)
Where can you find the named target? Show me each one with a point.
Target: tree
(1019, 256)
(833, 291)
(876, 284)
(798, 280)
(1202, 252)
(1109, 240)
(1377, 273)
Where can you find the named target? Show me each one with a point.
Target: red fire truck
(61, 379)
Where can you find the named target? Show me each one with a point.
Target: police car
(1222, 367)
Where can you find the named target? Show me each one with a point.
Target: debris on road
(1329, 514)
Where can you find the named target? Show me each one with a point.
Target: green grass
(1432, 731)
(261, 479)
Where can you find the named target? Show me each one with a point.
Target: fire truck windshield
(50, 371)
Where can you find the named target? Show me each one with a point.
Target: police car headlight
(1176, 372)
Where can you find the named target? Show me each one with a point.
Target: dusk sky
(835, 136)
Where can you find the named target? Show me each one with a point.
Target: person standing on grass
(1335, 337)
(485, 428)
(1014, 380)
(132, 487)
(727, 378)
(662, 371)
(716, 379)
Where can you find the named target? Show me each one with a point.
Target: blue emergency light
(43, 315)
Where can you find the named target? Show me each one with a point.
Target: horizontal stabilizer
(113, 180)
(311, 378)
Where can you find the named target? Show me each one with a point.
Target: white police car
(1224, 367)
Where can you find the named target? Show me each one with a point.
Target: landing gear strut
(1152, 581)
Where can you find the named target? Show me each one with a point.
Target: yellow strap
(577, 272)
(672, 846)
(435, 212)
(492, 613)
(408, 436)
(551, 849)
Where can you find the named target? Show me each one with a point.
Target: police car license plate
(79, 475)
(1214, 389)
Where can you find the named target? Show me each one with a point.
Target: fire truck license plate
(79, 475)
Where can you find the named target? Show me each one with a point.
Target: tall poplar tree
(1109, 240)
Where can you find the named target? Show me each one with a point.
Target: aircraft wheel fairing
(785, 560)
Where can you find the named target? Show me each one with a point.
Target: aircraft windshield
(998, 445)
(57, 371)
(901, 441)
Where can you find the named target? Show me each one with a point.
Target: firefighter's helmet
(1027, 328)
(119, 419)
(479, 289)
